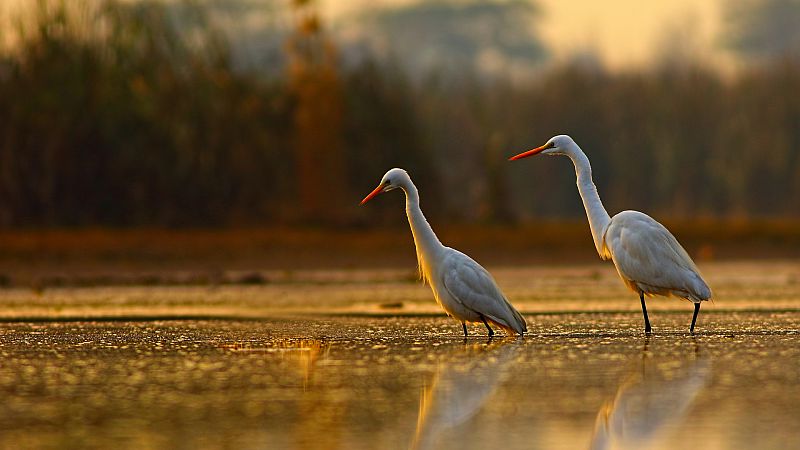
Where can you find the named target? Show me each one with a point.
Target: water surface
(354, 382)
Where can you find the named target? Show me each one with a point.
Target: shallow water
(364, 359)
(350, 382)
(737, 285)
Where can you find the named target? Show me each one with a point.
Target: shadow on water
(461, 387)
(652, 399)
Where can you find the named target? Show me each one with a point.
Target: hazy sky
(623, 32)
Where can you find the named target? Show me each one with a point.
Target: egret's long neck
(428, 245)
(595, 212)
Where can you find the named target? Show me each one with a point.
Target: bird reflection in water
(460, 388)
(654, 397)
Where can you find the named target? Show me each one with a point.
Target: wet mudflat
(578, 380)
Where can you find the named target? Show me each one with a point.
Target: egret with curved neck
(464, 289)
(647, 256)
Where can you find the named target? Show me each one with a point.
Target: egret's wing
(645, 251)
(472, 286)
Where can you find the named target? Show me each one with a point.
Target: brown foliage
(113, 116)
(315, 87)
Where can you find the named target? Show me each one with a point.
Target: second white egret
(464, 289)
(647, 256)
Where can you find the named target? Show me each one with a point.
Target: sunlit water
(577, 381)
(364, 359)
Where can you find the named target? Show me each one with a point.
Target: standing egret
(648, 257)
(463, 288)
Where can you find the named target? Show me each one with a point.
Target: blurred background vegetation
(145, 113)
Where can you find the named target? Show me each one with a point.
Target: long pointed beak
(535, 151)
(373, 194)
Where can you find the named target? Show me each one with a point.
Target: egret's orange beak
(372, 194)
(535, 151)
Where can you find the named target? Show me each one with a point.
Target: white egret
(464, 289)
(648, 257)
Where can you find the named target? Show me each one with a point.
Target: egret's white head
(393, 179)
(556, 145)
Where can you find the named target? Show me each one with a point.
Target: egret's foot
(465, 328)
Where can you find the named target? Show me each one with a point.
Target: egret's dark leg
(491, 332)
(644, 312)
(463, 325)
(694, 317)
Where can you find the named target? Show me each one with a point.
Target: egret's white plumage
(650, 259)
(647, 256)
(463, 288)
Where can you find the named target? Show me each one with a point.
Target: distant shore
(193, 256)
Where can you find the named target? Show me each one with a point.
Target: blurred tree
(318, 117)
(383, 130)
(255, 30)
(764, 29)
(110, 115)
(465, 37)
(123, 114)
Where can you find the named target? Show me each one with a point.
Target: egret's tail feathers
(706, 293)
(699, 290)
(509, 330)
(520, 325)
(514, 322)
(697, 293)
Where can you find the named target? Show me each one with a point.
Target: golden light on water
(298, 355)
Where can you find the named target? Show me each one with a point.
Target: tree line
(116, 115)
